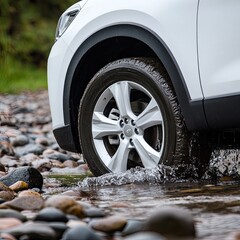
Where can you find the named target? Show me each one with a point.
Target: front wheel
(129, 116)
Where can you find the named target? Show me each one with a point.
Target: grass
(16, 77)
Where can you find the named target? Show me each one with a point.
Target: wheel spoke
(103, 126)
(149, 156)
(121, 94)
(119, 160)
(151, 116)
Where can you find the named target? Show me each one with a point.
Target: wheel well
(97, 57)
(116, 42)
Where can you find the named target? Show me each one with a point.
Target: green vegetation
(27, 29)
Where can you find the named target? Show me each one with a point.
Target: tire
(129, 116)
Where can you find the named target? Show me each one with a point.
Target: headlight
(66, 19)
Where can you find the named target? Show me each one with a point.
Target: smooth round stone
(51, 214)
(133, 226)
(67, 204)
(5, 145)
(29, 175)
(145, 236)
(94, 212)
(6, 236)
(2, 168)
(5, 192)
(10, 213)
(20, 140)
(6, 195)
(42, 141)
(26, 203)
(6, 223)
(42, 164)
(9, 161)
(30, 192)
(172, 223)
(75, 223)
(70, 164)
(33, 231)
(29, 148)
(109, 224)
(59, 228)
(19, 186)
(80, 233)
(59, 156)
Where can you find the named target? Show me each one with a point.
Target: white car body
(201, 38)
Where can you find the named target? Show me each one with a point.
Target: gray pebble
(51, 214)
(80, 233)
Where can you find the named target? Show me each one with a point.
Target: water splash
(139, 175)
(223, 163)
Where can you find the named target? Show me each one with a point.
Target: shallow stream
(213, 201)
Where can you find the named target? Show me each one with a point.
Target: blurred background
(27, 32)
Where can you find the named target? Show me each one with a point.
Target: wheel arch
(116, 42)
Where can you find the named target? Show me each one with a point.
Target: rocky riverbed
(36, 203)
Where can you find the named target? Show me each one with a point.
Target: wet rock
(59, 156)
(29, 192)
(9, 161)
(51, 214)
(29, 158)
(26, 203)
(146, 236)
(19, 186)
(9, 213)
(94, 212)
(6, 236)
(109, 224)
(29, 175)
(70, 164)
(80, 233)
(59, 228)
(42, 141)
(6, 193)
(6, 196)
(29, 148)
(6, 223)
(233, 236)
(171, 223)
(71, 193)
(5, 145)
(75, 223)
(120, 205)
(36, 231)
(133, 226)
(67, 204)
(2, 168)
(20, 140)
(42, 165)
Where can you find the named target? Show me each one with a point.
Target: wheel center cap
(128, 131)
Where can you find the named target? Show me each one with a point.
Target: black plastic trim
(65, 138)
(223, 112)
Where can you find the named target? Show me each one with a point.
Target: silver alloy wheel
(127, 125)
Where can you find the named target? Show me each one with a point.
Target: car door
(219, 60)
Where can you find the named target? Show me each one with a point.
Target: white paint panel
(219, 47)
(173, 21)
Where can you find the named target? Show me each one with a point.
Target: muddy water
(214, 201)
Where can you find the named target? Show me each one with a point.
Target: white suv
(138, 83)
